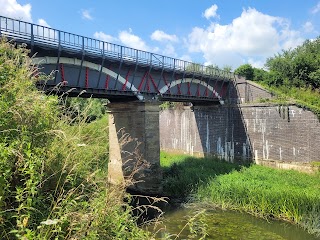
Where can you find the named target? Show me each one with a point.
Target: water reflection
(222, 225)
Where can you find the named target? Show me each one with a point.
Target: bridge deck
(48, 42)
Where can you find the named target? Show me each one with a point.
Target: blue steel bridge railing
(35, 34)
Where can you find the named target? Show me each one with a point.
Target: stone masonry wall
(134, 151)
(269, 134)
(205, 130)
(285, 133)
(260, 132)
(247, 91)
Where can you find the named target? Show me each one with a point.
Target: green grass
(303, 97)
(184, 174)
(262, 191)
(265, 191)
(167, 159)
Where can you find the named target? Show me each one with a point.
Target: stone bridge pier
(134, 146)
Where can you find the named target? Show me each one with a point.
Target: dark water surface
(220, 224)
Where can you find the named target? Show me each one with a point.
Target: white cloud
(160, 36)
(253, 35)
(316, 9)
(211, 12)
(133, 41)
(256, 63)
(86, 14)
(127, 38)
(10, 8)
(169, 50)
(104, 37)
(186, 58)
(308, 27)
(43, 22)
(48, 33)
(290, 38)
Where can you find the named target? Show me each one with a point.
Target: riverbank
(261, 191)
(183, 174)
(201, 221)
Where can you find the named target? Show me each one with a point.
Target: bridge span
(105, 70)
(134, 81)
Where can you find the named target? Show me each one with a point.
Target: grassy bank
(258, 190)
(184, 174)
(53, 164)
(302, 97)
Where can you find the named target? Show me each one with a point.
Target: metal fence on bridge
(35, 34)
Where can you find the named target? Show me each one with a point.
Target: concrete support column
(134, 146)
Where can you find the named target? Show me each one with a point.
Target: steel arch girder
(125, 85)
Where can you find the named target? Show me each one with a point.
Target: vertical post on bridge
(134, 146)
(58, 58)
(31, 38)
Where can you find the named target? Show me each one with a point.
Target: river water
(223, 225)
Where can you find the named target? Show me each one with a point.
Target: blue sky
(221, 32)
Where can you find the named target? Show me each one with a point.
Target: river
(223, 225)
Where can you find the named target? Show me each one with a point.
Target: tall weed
(53, 168)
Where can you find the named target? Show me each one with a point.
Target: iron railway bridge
(89, 67)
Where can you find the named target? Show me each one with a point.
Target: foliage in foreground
(53, 174)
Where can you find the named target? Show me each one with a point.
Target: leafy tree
(88, 108)
(298, 67)
(259, 74)
(274, 78)
(245, 70)
(194, 67)
(212, 69)
(315, 77)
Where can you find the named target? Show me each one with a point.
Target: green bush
(26, 124)
(245, 70)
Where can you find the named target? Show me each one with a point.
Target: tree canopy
(245, 70)
(296, 67)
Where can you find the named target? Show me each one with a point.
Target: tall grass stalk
(53, 166)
